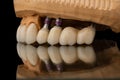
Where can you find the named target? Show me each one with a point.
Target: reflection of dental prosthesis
(32, 56)
(104, 12)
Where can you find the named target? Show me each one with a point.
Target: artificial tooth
(43, 33)
(32, 54)
(21, 33)
(68, 36)
(86, 35)
(54, 34)
(68, 54)
(55, 56)
(86, 54)
(21, 50)
(31, 33)
(43, 55)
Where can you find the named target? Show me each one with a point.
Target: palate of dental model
(68, 36)
(68, 54)
(32, 54)
(86, 54)
(54, 34)
(21, 50)
(55, 56)
(21, 33)
(31, 33)
(43, 55)
(43, 33)
(86, 35)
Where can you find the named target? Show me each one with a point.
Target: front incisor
(21, 33)
(31, 33)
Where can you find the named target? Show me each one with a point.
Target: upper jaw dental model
(30, 30)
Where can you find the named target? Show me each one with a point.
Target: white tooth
(43, 35)
(21, 33)
(31, 33)
(21, 50)
(86, 35)
(54, 54)
(54, 34)
(68, 36)
(86, 54)
(32, 54)
(43, 53)
(68, 54)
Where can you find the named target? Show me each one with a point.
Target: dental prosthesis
(31, 28)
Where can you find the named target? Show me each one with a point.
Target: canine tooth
(21, 50)
(68, 54)
(21, 33)
(54, 34)
(55, 56)
(86, 54)
(68, 36)
(32, 54)
(43, 55)
(31, 33)
(86, 35)
(43, 33)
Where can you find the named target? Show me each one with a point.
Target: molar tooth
(55, 56)
(86, 54)
(43, 33)
(21, 33)
(68, 36)
(32, 54)
(68, 54)
(21, 50)
(31, 33)
(54, 34)
(86, 35)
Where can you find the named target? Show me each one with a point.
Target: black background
(8, 28)
(9, 23)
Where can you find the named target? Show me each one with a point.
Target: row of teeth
(57, 35)
(58, 55)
